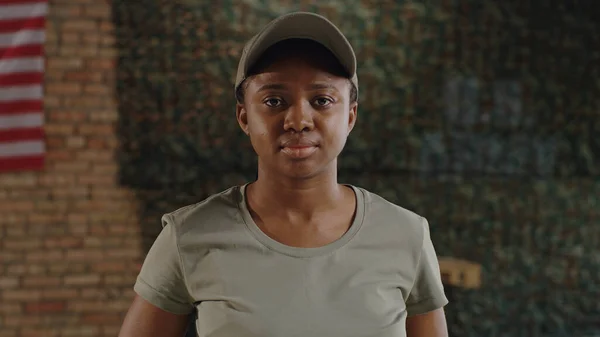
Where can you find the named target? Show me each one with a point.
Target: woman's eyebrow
(272, 86)
(318, 86)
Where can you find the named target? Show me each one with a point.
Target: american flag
(22, 37)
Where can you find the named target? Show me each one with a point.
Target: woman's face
(298, 116)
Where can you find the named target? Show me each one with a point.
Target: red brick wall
(69, 236)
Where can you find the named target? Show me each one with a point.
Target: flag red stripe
(20, 2)
(21, 78)
(21, 163)
(16, 107)
(14, 25)
(17, 135)
(21, 51)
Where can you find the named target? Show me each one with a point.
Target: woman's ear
(242, 117)
(353, 114)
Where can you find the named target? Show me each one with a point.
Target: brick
(43, 230)
(76, 142)
(15, 269)
(9, 308)
(87, 306)
(111, 330)
(101, 64)
(87, 255)
(113, 218)
(93, 38)
(54, 143)
(23, 244)
(95, 294)
(39, 332)
(70, 38)
(96, 179)
(119, 280)
(77, 219)
(46, 256)
(50, 206)
(9, 282)
(45, 307)
(12, 219)
(41, 281)
(99, 11)
(68, 267)
(78, 228)
(88, 103)
(46, 219)
(52, 75)
(111, 168)
(66, 116)
(82, 50)
(15, 231)
(107, 27)
(64, 242)
(123, 253)
(98, 89)
(52, 102)
(63, 63)
(59, 294)
(78, 25)
(21, 295)
(111, 266)
(71, 167)
(63, 88)
(29, 194)
(65, 11)
(82, 280)
(17, 180)
(83, 76)
(58, 155)
(96, 129)
(79, 331)
(101, 319)
(71, 192)
(20, 321)
(109, 52)
(97, 143)
(59, 129)
(16, 206)
(108, 40)
(55, 180)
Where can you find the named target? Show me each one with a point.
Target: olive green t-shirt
(212, 258)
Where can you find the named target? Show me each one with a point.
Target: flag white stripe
(24, 64)
(22, 37)
(26, 120)
(12, 12)
(26, 148)
(21, 92)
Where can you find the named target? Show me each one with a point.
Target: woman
(293, 253)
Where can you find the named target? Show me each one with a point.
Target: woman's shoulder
(216, 209)
(382, 210)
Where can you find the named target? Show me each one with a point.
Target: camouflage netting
(483, 116)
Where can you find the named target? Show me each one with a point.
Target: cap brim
(299, 25)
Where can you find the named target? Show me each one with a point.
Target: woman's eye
(273, 102)
(323, 101)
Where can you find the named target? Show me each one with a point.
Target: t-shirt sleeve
(427, 293)
(161, 278)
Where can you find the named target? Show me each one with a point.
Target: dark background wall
(483, 116)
